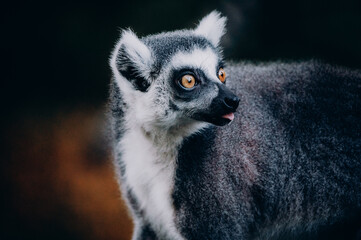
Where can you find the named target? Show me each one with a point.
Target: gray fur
(165, 45)
(287, 167)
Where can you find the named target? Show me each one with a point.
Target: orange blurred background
(60, 182)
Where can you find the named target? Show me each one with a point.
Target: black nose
(232, 102)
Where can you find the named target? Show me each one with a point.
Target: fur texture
(287, 167)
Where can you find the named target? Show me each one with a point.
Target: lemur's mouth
(222, 120)
(229, 116)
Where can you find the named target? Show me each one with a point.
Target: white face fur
(150, 84)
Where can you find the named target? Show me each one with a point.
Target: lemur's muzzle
(231, 104)
(229, 101)
(222, 108)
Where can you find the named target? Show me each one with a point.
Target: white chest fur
(150, 175)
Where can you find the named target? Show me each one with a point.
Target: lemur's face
(197, 83)
(176, 78)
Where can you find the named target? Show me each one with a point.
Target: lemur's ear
(212, 27)
(134, 60)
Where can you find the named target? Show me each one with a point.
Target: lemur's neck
(170, 138)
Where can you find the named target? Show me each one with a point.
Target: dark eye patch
(178, 74)
(180, 93)
(221, 64)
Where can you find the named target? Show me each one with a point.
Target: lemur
(208, 149)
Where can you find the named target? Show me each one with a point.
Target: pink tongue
(229, 116)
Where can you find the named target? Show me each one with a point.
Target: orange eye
(222, 75)
(188, 81)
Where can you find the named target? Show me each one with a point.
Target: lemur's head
(175, 78)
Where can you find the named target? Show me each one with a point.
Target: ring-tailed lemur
(289, 165)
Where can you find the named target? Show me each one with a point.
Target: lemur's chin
(224, 122)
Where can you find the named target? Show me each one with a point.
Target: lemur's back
(288, 164)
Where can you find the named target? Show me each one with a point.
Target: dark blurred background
(56, 177)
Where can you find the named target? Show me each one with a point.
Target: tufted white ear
(135, 51)
(133, 59)
(212, 27)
